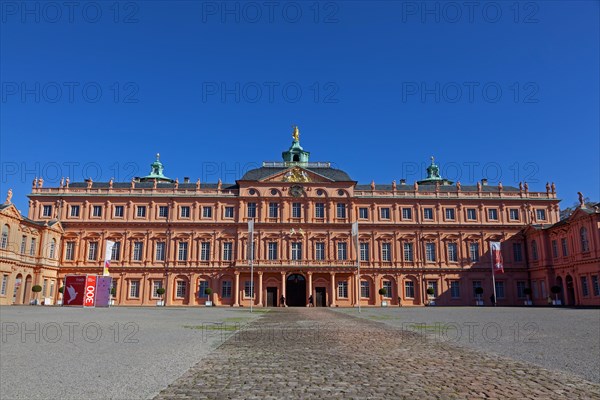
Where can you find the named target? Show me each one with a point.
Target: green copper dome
(156, 172)
(295, 153)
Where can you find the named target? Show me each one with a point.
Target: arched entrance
(559, 283)
(295, 290)
(570, 290)
(18, 290)
(27, 290)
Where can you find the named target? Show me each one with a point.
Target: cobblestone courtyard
(317, 353)
(195, 353)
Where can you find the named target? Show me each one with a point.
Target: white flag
(355, 228)
(107, 256)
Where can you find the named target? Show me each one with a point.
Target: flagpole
(251, 259)
(493, 275)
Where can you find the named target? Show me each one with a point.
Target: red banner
(497, 262)
(89, 299)
(74, 290)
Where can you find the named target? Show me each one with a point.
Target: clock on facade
(297, 191)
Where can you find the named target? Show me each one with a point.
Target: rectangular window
(273, 210)
(584, 286)
(408, 252)
(119, 211)
(138, 249)
(499, 290)
(433, 285)
(521, 289)
(97, 211)
(452, 252)
(342, 289)
(251, 210)
(471, 214)
(160, 251)
(273, 251)
(51, 288)
(595, 285)
(248, 289)
(156, 284)
(184, 212)
(534, 289)
(134, 289)
(92, 249)
(364, 252)
(205, 251)
(476, 284)
(226, 289)
(47, 212)
(514, 214)
(227, 251)
(70, 251)
(296, 251)
(543, 288)
(206, 212)
(554, 249)
(430, 251)
(115, 253)
(228, 212)
(386, 252)
(474, 251)
(385, 213)
(387, 285)
(23, 244)
(182, 253)
(163, 211)
(4, 284)
(450, 214)
(296, 210)
(406, 213)
(455, 289)
(517, 252)
(32, 248)
(409, 289)
(74, 211)
(341, 210)
(565, 247)
(141, 211)
(320, 210)
(364, 290)
(342, 251)
(202, 286)
(180, 289)
(319, 251)
(363, 213)
(541, 215)
(428, 213)
(493, 214)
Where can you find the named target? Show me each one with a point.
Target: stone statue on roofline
(581, 200)
(67, 181)
(9, 195)
(40, 182)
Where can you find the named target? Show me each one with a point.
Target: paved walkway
(317, 353)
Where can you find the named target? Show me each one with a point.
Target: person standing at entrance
(282, 302)
(310, 301)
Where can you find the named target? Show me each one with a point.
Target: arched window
(585, 244)
(4, 241)
(534, 250)
(52, 248)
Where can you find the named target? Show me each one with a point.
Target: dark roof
(3, 206)
(336, 175)
(431, 188)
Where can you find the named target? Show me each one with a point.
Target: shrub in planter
(161, 291)
(36, 289)
(113, 291)
(382, 291)
(208, 292)
(479, 291)
(61, 289)
(556, 290)
(430, 291)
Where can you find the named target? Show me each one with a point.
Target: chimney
(186, 179)
(484, 182)
(403, 181)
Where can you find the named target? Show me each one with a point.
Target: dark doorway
(271, 297)
(295, 290)
(321, 297)
(570, 290)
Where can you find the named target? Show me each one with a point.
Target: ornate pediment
(296, 174)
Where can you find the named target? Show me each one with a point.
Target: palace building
(189, 236)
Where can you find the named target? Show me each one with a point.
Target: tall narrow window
(138, 249)
(296, 251)
(583, 235)
(386, 252)
(341, 210)
(409, 289)
(430, 251)
(320, 210)
(452, 252)
(182, 253)
(115, 254)
(227, 251)
(226, 289)
(296, 210)
(408, 252)
(251, 210)
(273, 210)
(160, 251)
(92, 250)
(387, 285)
(52, 248)
(319, 251)
(534, 250)
(273, 251)
(4, 241)
(180, 290)
(342, 251)
(69, 251)
(455, 289)
(205, 251)
(365, 289)
(474, 251)
(364, 252)
(517, 252)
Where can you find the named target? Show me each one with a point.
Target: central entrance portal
(295, 290)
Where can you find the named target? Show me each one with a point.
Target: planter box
(384, 303)
(478, 302)
(556, 302)
(208, 303)
(160, 303)
(112, 302)
(432, 302)
(528, 302)
(48, 301)
(59, 302)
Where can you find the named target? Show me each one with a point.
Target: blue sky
(504, 90)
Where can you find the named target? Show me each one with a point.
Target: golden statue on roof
(296, 133)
